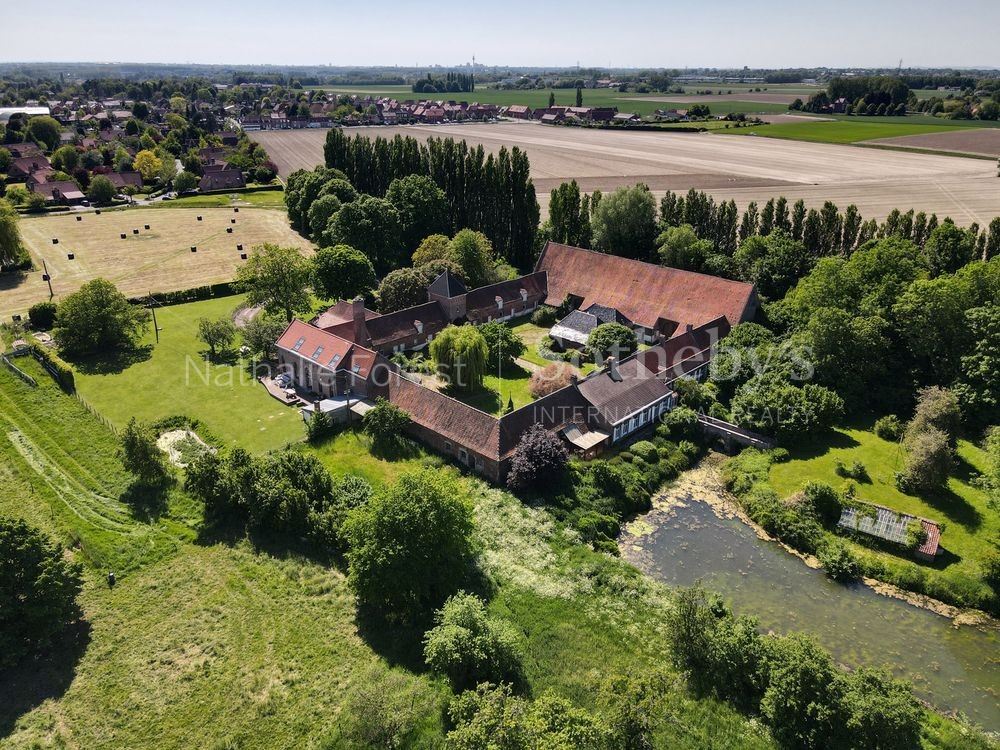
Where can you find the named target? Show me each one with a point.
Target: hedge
(222, 289)
(58, 369)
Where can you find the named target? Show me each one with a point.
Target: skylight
(319, 350)
(299, 343)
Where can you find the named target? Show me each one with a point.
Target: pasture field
(742, 168)
(176, 377)
(156, 259)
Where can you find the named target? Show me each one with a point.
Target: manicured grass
(841, 131)
(349, 452)
(970, 525)
(175, 377)
(262, 198)
(512, 384)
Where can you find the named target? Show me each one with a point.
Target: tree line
(490, 193)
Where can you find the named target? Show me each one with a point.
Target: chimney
(689, 328)
(360, 329)
(611, 363)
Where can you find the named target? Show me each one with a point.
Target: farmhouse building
(342, 352)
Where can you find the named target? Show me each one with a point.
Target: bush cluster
(789, 681)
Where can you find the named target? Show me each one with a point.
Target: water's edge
(696, 531)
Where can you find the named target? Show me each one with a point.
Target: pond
(954, 668)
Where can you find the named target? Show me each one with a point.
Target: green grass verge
(175, 377)
(841, 131)
(259, 198)
(969, 524)
(349, 452)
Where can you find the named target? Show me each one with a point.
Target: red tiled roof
(312, 339)
(641, 291)
(448, 417)
(930, 546)
(342, 312)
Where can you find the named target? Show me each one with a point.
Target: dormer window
(499, 301)
(419, 326)
(524, 295)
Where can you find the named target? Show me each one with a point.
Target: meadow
(230, 643)
(155, 259)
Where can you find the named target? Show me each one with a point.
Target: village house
(222, 179)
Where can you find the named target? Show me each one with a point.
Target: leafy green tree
(385, 424)
(493, 717)
(773, 263)
(185, 182)
(42, 315)
(38, 589)
(679, 247)
(624, 223)
(431, 248)
(770, 404)
(800, 703)
(320, 212)
(460, 353)
(978, 388)
(216, 334)
(261, 332)
(342, 272)
(140, 454)
(66, 158)
(12, 250)
(928, 463)
(402, 288)
(276, 278)
(98, 318)
(840, 345)
(937, 408)
(372, 226)
(948, 248)
(612, 340)
(422, 207)
(473, 253)
(503, 344)
(410, 547)
(878, 711)
(101, 191)
(569, 216)
(5, 159)
(469, 646)
(147, 164)
(44, 130)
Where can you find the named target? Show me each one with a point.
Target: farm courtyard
(748, 168)
(155, 259)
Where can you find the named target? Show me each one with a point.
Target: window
(299, 343)
(463, 456)
(479, 464)
(334, 359)
(319, 350)
(447, 445)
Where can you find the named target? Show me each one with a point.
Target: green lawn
(512, 384)
(843, 131)
(349, 452)
(970, 525)
(260, 198)
(175, 377)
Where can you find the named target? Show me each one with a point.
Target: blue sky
(660, 33)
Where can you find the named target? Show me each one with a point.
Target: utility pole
(48, 279)
(152, 307)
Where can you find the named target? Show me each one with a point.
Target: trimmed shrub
(645, 450)
(889, 428)
(58, 369)
(42, 315)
